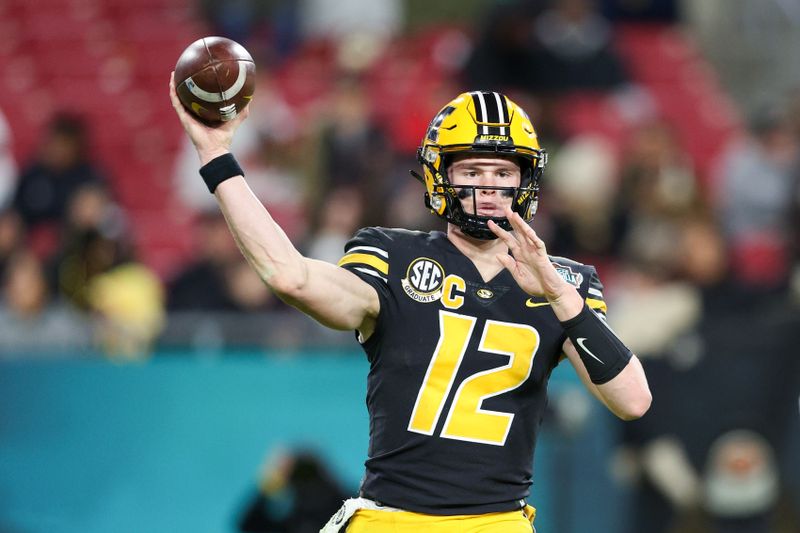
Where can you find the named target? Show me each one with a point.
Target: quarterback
(462, 329)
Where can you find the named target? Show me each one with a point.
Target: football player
(462, 329)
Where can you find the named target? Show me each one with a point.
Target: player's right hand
(531, 268)
(210, 141)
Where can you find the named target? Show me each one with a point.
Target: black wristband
(220, 169)
(603, 354)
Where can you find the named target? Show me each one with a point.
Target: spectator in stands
(221, 272)
(547, 48)
(742, 490)
(94, 240)
(573, 49)
(296, 493)
(26, 293)
(91, 206)
(321, 19)
(691, 334)
(85, 256)
(61, 167)
(235, 19)
(658, 188)
(502, 57)
(11, 236)
(268, 29)
(228, 310)
(128, 303)
(353, 151)
(29, 321)
(583, 185)
(756, 180)
(95, 271)
(341, 214)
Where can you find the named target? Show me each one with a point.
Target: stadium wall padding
(174, 443)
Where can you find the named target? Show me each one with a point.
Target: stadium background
(129, 402)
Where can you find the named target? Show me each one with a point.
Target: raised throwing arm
(331, 295)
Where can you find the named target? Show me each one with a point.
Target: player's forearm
(263, 243)
(628, 394)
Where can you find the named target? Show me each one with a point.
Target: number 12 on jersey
(466, 420)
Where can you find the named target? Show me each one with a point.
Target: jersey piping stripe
(600, 305)
(372, 249)
(595, 292)
(371, 273)
(365, 259)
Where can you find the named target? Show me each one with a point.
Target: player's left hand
(530, 266)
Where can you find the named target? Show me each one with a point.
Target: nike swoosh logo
(581, 343)
(530, 303)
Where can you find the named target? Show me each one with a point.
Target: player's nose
(487, 180)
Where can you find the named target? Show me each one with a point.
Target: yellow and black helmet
(479, 123)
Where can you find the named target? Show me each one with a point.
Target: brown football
(215, 78)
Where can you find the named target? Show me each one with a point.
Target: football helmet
(487, 123)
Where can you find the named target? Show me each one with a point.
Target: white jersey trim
(372, 249)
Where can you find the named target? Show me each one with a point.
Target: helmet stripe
(477, 104)
(501, 112)
(480, 110)
(491, 113)
(492, 116)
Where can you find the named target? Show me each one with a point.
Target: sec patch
(424, 280)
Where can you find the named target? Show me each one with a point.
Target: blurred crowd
(69, 275)
(702, 270)
(337, 158)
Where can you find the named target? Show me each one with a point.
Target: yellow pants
(369, 521)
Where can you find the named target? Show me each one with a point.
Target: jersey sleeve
(591, 289)
(594, 294)
(367, 256)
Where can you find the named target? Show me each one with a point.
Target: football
(215, 79)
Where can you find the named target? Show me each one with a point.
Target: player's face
(484, 171)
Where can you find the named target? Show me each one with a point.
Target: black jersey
(458, 373)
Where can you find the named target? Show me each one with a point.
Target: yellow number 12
(466, 420)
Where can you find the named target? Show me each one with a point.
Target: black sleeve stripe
(371, 273)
